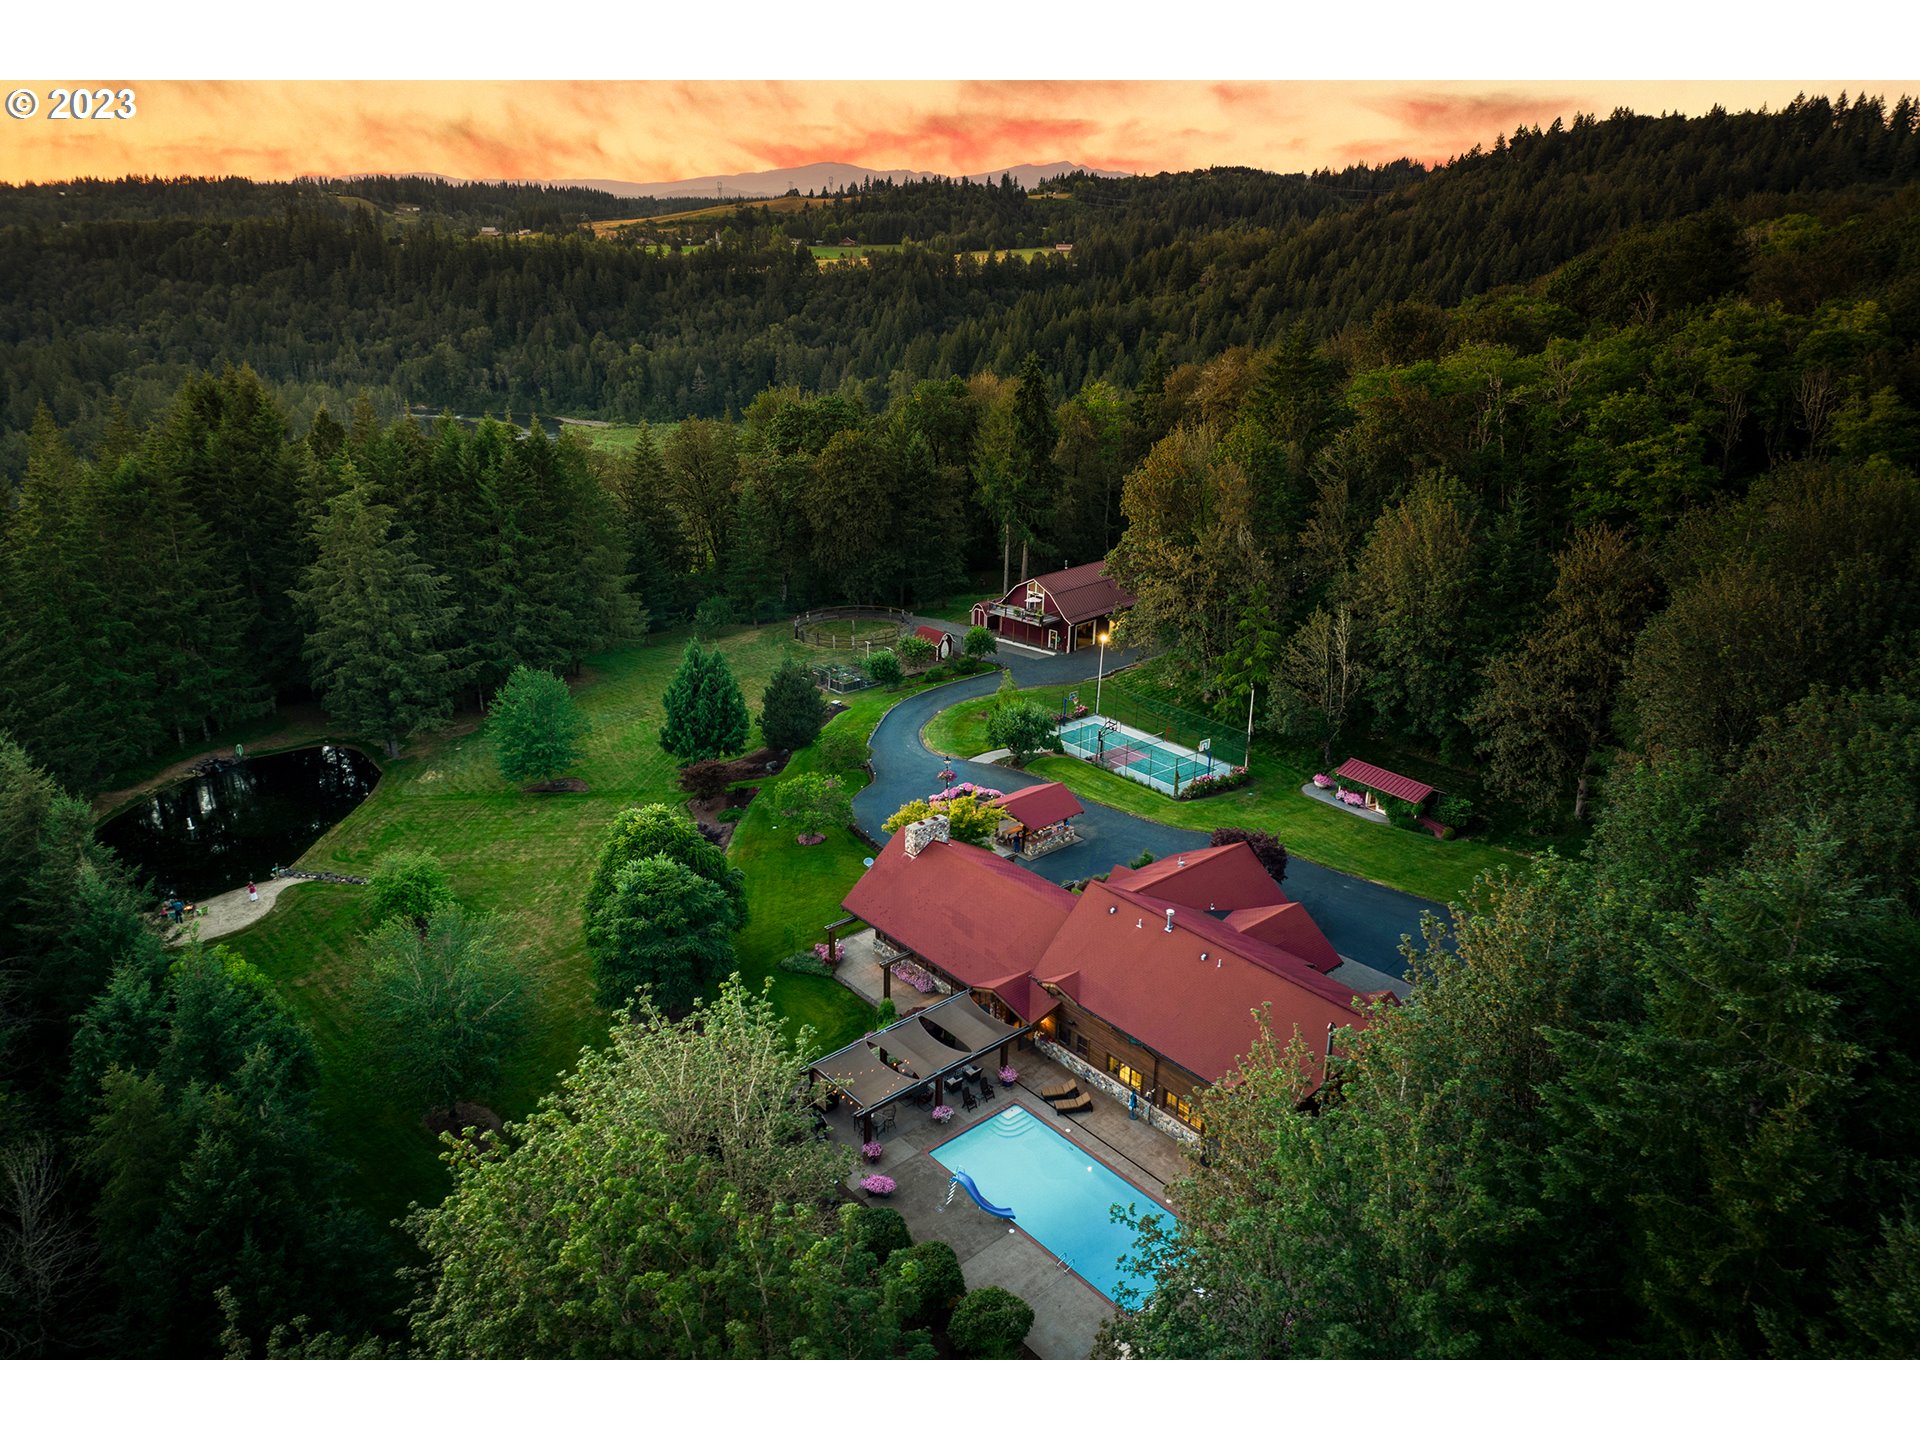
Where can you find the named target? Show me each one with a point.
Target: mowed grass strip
(527, 859)
(1407, 860)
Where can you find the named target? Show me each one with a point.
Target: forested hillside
(327, 301)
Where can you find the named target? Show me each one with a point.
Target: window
(1129, 1076)
(1080, 1046)
(1181, 1105)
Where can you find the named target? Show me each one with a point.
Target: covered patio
(916, 1059)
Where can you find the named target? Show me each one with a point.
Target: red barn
(1061, 612)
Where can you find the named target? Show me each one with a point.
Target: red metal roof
(1385, 781)
(932, 634)
(1041, 805)
(1228, 877)
(1154, 985)
(976, 916)
(1078, 594)
(1288, 927)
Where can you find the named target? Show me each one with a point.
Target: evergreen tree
(378, 621)
(792, 709)
(662, 830)
(705, 714)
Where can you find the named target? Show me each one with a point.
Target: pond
(214, 832)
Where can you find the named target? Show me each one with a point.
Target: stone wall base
(1110, 1087)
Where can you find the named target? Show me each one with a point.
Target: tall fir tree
(378, 621)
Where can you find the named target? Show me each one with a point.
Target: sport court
(1151, 760)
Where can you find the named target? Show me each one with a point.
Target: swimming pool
(1059, 1194)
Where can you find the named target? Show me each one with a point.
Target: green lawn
(1407, 860)
(527, 858)
(618, 438)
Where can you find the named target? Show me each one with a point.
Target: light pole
(1100, 638)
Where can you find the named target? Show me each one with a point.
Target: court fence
(1157, 763)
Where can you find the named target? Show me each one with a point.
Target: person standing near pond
(252, 894)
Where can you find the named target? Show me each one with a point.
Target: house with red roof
(1062, 611)
(1145, 985)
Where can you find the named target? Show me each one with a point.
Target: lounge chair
(1072, 1107)
(1060, 1092)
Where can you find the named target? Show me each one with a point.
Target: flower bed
(1214, 784)
(965, 787)
(828, 955)
(916, 976)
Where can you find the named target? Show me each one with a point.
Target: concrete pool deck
(1067, 1311)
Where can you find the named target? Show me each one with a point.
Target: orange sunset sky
(660, 130)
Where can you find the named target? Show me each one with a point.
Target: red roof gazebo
(1415, 792)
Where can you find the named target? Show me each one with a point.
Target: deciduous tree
(535, 725)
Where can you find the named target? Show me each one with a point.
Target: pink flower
(871, 1150)
(943, 1112)
(1008, 1074)
(878, 1185)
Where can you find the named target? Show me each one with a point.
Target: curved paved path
(1363, 921)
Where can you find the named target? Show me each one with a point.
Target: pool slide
(965, 1182)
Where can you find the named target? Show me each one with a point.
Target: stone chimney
(942, 828)
(917, 833)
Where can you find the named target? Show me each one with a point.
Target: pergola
(919, 1056)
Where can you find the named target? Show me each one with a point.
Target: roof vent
(1139, 924)
(1169, 920)
(1113, 909)
(1203, 954)
(1180, 863)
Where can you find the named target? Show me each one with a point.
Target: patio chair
(1056, 1093)
(967, 1102)
(885, 1120)
(986, 1088)
(1072, 1107)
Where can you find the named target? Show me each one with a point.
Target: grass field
(527, 858)
(1407, 860)
(617, 438)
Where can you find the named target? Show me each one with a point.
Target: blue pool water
(1059, 1194)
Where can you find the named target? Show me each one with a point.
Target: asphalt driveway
(1363, 921)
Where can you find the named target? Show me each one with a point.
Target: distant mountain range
(759, 184)
(822, 175)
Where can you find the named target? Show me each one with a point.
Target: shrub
(805, 962)
(1143, 859)
(732, 815)
(708, 780)
(881, 1232)
(979, 644)
(914, 652)
(990, 1324)
(828, 955)
(1453, 811)
(885, 1013)
(884, 668)
(412, 883)
(934, 1272)
(1266, 847)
